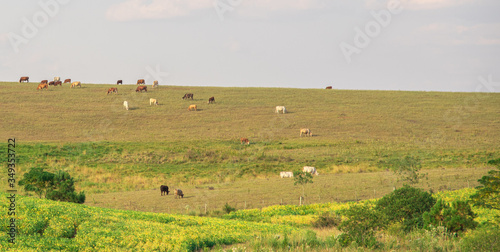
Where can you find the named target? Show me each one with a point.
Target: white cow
(286, 174)
(57, 79)
(153, 101)
(310, 169)
(280, 108)
(125, 104)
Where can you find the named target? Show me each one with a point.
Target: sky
(423, 45)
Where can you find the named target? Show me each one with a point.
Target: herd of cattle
(164, 189)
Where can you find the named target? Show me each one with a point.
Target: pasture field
(120, 158)
(90, 134)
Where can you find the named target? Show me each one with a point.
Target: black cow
(163, 189)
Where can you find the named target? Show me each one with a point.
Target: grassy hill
(121, 157)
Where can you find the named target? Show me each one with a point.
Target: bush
(406, 205)
(457, 218)
(227, 208)
(360, 227)
(59, 186)
(482, 239)
(487, 194)
(326, 220)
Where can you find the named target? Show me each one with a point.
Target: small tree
(406, 205)
(63, 189)
(455, 218)
(59, 186)
(302, 178)
(408, 170)
(37, 180)
(488, 194)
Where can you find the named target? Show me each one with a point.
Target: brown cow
(244, 140)
(67, 81)
(141, 88)
(76, 84)
(178, 193)
(44, 82)
(192, 107)
(187, 96)
(42, 86)
(58, 83)
(119, 82)
(24, 78)
(141, 81)
(211, 100)
(112, 90)
(155, 83)
(329, 87)
(52, 83)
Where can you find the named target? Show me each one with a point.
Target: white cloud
(155, 9)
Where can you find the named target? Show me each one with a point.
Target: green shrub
(482, 239)
(457, 218)
(487, 193)
(59, 186)
(326, 220)
(406, 205)
(227, 208)
(360, 226)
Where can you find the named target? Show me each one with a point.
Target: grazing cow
(178, 193)
(76, 84)
(141, 88)
(329, 87)
(125, 104)
(244, 140)
(57, 78)
(281, 109)
(119, 82)
(286, 174)
(187, 96)
(153, 101)
(310, 169)
(58, 83)
(24, 78)
(52, 83)
(67, 81)
(155, 83)
(44, 82)
(42, 86)
(141, 81)
(164, 189)
(112, 90)
(211, 100)
(192, 107)
(306, 132)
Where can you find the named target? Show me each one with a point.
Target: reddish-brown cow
(141, 88)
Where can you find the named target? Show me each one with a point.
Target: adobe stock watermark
(372, 29)
(223, 6)
(156, 73)
(30, 28)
